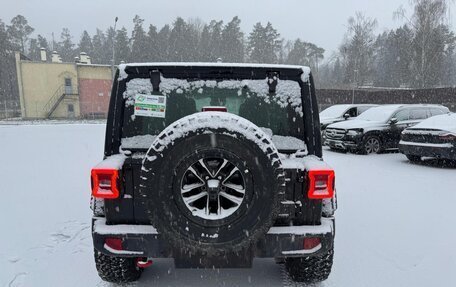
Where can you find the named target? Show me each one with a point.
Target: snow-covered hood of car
(328, 120)
(356, 124)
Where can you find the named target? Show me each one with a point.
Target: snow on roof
(304, 76)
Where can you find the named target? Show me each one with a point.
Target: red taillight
(448, 136)
(214, 109)
(143, 262)
(321, 184)
(104, 183)
(311, 242)
(114, 243)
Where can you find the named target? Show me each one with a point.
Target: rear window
(418, 114)
(279, 113)
(435, 112)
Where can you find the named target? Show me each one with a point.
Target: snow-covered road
(396, 224)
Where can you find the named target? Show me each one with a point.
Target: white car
(434, 137)
(338, 113)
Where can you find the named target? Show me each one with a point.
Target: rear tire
(310, 269)
(413, 158)
(117, 269)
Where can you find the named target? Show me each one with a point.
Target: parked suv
(339, 113)
(378, 128)
(213, 165)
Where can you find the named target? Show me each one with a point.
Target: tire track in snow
(17, 276)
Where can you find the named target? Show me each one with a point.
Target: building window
(100, 94)
(70, 108)
(68, 86)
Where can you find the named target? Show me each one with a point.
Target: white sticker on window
(150, 106)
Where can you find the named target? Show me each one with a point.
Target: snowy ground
(395, 224)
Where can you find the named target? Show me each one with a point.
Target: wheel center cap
(213, 186)
(213, 183)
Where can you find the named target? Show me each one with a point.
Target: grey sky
(321, 22)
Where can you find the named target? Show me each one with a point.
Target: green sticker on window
(150, 106)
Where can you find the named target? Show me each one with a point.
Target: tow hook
(143, 262)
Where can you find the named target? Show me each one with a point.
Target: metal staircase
(57, 98)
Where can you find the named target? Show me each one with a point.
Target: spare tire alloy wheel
(213, 188)
(372, 145)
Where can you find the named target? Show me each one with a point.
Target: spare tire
(212, 183)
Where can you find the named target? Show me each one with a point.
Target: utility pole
(355, 74)
(113, 48)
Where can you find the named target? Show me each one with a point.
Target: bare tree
(358, 48)
(432, 39)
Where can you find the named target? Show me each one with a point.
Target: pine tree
(215, 49)
(34, 50)
(191, 40)
(122, 46)
(139, 41)
(232, 44)
(8, 80)
(393, 58)
(264, 44)
(152, 44)
(35, 47)
(108, 46)
(98, 43)
(85, 44)
(163, 43)
(307, 54)
(66, 46)
(42, 42)
(273, 44)
(204, 45)
(256, 43)
(177, 50)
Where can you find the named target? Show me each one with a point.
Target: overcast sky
(322, 22)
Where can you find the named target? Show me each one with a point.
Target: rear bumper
(446, 151)
(279, 242)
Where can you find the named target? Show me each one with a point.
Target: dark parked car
(434, 137)
(378, 128)
(213, 165)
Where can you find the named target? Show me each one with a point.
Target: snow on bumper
(280, 241)
(444, 150)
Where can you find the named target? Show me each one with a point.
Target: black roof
(214, 70)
